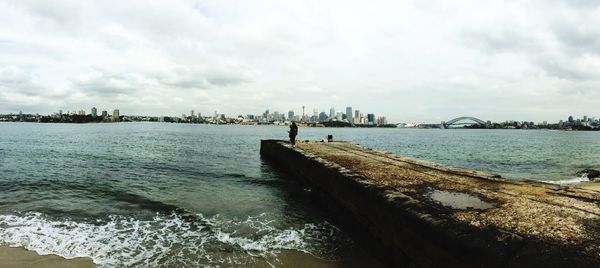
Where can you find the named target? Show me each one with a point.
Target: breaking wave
(569, 181)
(168, 240)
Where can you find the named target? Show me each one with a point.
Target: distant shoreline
(311, 125)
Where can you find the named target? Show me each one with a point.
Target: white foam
(165, 240)
(569, 181)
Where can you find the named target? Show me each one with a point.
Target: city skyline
(349, 115)
(410, 60)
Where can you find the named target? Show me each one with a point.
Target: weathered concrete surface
(410, 212)
(591, 186)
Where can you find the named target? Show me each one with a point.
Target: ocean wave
(569, 181)
(168, 240)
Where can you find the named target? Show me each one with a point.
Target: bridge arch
(462, 118)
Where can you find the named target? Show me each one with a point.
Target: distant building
(94, 112)
(331, 113)
(81, 112)
(104, 114)
(371, 119)
(290, 115)
(323, 117)
(349, 115)
(116, 115)
(277, 116)
(382, 120)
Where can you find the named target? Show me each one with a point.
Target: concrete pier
(419, 214)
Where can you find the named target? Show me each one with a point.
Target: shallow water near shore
(159, 194)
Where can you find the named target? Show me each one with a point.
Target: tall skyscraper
(116, 115)
(370, 119)
(94, 112)
(290, 115)
(349, 115)
(277, 116)
(332, 113)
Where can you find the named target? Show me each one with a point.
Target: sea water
(161, 194)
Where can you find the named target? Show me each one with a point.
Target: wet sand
(292, 258)
(15, 257)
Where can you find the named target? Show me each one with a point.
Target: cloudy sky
(413, 61)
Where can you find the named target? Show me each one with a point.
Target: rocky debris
(591, 174)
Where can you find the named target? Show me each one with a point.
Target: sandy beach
(16, 257)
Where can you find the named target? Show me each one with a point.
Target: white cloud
(409, 60)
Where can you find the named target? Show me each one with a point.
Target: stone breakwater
(411, 212)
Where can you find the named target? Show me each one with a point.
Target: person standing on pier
(293, 133)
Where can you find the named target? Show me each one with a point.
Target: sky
(411, 61)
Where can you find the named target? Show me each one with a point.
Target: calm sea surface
(149, 194)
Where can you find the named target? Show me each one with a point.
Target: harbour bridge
(462, 121)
